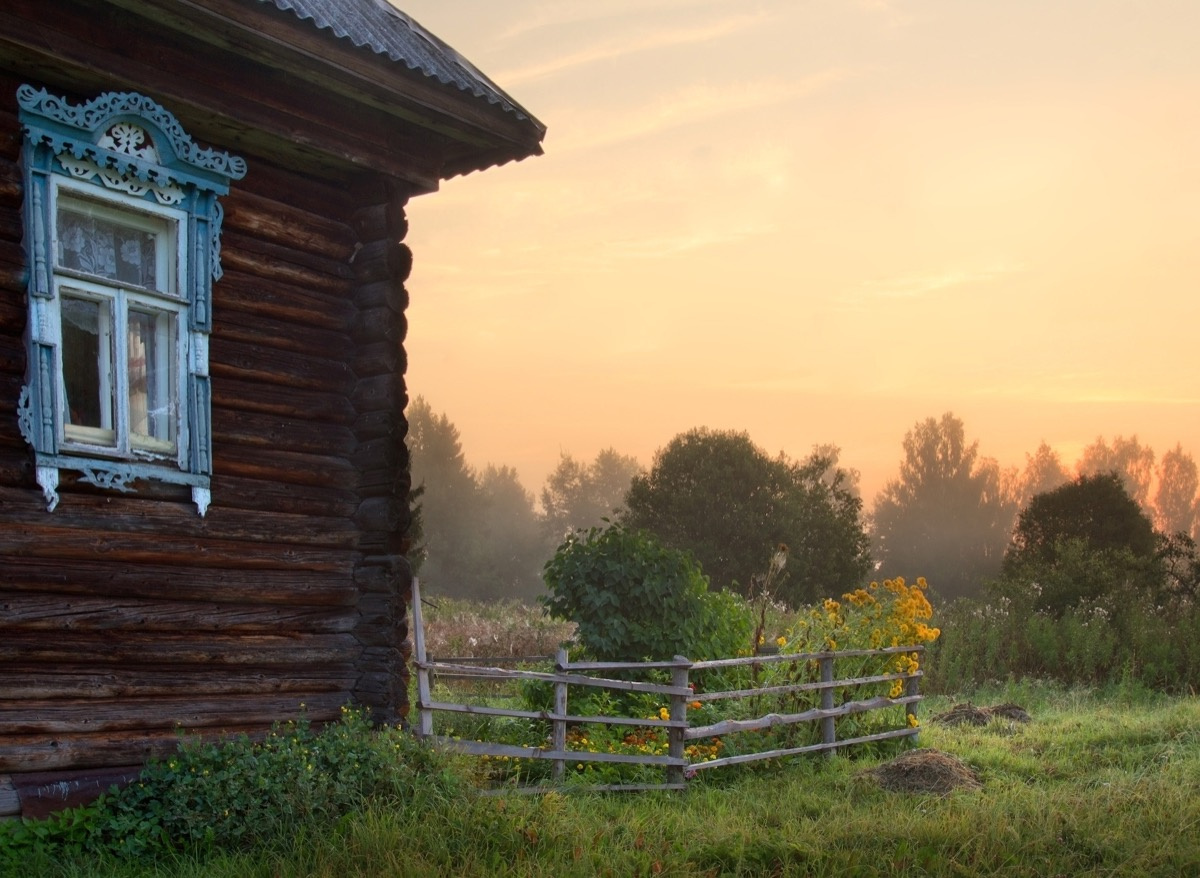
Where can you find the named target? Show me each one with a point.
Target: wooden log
(256, 259)
(42, 793)
(12, 183)
(51, 612)
(70, 544)
(271, 219)
(10, 803)
(103, 716)
(383, 259)
(24, 681)
(379, 393)
(389, 293)
(267, 496)
(214, 651)
(386, 423)
(118, 580)
(130, 516)
(276, 431)
(248, 396)
(280, 334)
(282, 301)
(380, 358)
(249, 362)
(14, 314)
(47, 753)
(286, 467)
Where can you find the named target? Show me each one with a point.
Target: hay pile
(969, 715)
(925, 771)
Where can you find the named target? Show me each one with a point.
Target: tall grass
(1101, 782)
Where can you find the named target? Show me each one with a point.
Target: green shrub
(238, 793)
(634, 599)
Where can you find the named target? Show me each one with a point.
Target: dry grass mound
(969, 715)
(925, 771)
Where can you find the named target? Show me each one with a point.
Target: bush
(634, 599)
(238, 794)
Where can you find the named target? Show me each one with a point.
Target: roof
(379, 26)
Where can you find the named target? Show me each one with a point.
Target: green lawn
(1097, 784)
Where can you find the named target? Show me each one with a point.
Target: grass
(1101, 782)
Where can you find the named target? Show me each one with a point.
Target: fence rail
(678, 694)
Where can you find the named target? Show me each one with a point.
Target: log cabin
(203, 475)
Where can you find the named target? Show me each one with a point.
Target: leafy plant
(238, 794)
(633, 598)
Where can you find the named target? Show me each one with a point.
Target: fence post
(559, 725)
(424, 713)
(828, 727)
(678, 713)
(912, 687)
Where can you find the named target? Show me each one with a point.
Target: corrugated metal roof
(379, 26)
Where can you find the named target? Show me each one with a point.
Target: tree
(479, 532)
(578, 496)
(721, 498)
(948, 516)
(1176, 504)
(1128, 458)
(1044, 471)
(509, 546)
(1082, 540)
(634, 598)
(447, 488)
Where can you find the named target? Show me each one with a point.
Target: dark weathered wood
(127, 714)
(247, 396)
(249, 362)
(259, 216)
(244, 293)
(25, 512)
(180, 648)
(278, 432)
(10, 803)
(31, 611)
(287, 467)
(284, 335)
(75, 681)
(118, 579)
(42, 793)
(233, 492)
(69, 545)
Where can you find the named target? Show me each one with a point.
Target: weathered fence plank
(679, 693)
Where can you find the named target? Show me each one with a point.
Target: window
(123, 233)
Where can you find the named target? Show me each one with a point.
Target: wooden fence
(678, 695)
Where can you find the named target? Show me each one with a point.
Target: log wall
(126, 616)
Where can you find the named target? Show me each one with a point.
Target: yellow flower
(663, 713)
(781, 641)
(913, 722)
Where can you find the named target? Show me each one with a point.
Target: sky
(819, 221)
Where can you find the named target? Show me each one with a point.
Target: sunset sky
(819, 221)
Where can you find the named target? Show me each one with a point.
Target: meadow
(1102, 780)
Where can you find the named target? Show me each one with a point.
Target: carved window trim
(129, 151)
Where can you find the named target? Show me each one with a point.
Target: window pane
(87, 371)
(99, 244)
(152, 379)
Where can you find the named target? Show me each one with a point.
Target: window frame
(122, 299)
(123, 156)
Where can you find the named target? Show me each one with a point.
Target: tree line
(950, 514)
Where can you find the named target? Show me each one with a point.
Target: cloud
(690, 105)
(623, 45)
(560, 12)
(916, 286)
